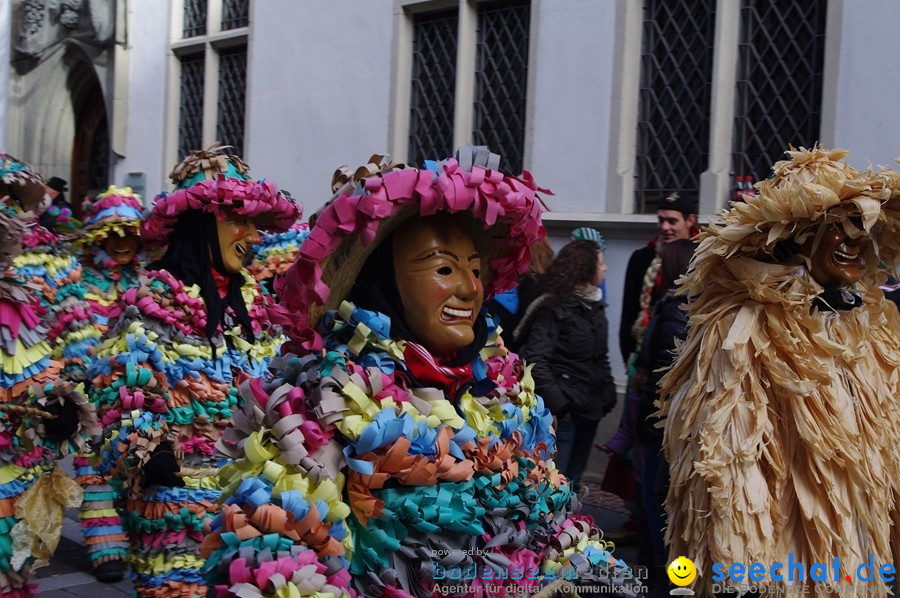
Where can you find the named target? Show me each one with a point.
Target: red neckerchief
(424, 368)
(222, 283)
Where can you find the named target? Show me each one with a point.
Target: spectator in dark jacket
(565, 335)
(667, 327)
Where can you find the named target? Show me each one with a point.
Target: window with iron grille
(781, 59)
(675, 92)
(235, 14)
(195, 12)
(232, 94)
(213, 75)
(501, 80)
(190, 114)
(433, 89)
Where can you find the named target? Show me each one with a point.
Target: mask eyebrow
(438, 252)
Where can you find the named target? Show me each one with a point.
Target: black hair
(192, 253)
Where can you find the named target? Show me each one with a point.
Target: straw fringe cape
(783, 433)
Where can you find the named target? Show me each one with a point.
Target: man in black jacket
(676, 219)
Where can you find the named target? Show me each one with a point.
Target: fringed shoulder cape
(783, 427)
(371, 470)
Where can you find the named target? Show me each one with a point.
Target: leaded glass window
(501, 80)
(675, 91)
(232, 97)
(235, 14)
(781, 58)
(190, 115)
(194, 18)
(432, 102)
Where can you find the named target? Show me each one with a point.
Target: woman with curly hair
(565, 335)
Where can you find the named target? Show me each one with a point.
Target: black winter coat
(631, 297)
(567, 341)
(668, 325)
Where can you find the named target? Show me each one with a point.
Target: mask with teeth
(122, 249)
(438, 274)
(838, 259)
(237, 234)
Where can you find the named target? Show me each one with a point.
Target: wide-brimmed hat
(58, 184)
(21, 183)
(213, 181)
(373, 201)
(118, 209)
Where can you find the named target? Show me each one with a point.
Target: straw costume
(367, 466)
(783, 433)
(114, 213)
(43, 413)
(166, 376)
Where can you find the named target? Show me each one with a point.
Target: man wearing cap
(676, 219)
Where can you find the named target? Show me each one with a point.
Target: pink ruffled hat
(213, 181)
(375, 199)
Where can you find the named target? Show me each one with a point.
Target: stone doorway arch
(91, 145)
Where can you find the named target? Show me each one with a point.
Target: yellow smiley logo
(682, 571)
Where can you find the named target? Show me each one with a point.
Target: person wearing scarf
(565, 334)
(166, 375)
(397, 443)
(782, 429)
(44, 416)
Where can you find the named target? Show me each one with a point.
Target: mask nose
(252, 234)
(467, 285)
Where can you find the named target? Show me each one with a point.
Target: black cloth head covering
(192, 253)
(679, 201)
(375, 289)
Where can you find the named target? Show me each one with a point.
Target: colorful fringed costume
(783, 432)
(166, 388)
(365, 467)
(276, 252)
(115, 212)
(43, 413)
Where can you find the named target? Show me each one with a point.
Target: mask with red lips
(438, 274)
(237, 235)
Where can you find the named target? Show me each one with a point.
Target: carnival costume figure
(112, 261)
(165, 380)
(43, 414)
(275, 253)
(782, 430)
(401, 442)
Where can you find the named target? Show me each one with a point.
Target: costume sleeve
(130, 390)
(538, 349)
